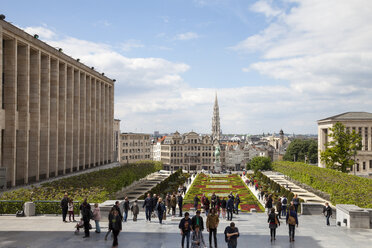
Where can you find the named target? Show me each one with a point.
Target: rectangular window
(366, 139)
(357, 167)
(370, 164)
(364, 165)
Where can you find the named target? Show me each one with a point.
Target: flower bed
(222, 185)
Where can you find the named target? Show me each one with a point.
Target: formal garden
(97, 186)
(343, 188)
(222, 185)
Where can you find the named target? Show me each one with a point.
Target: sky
(274, 65)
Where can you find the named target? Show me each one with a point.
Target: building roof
(349, 116)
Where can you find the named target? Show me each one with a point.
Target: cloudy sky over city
(274, 64)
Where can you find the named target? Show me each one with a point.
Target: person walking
(116, 227)
(117, 207)
(218, 206)
(97, 217)
(212, 224)
(174, 203)
(197, 240)
(284, 205)
(237, 202)
(273, 221)
(147, 204)
(64, 207)
(206, 206)
(223, 207)
(180, 203)
(197, 220)
(296, 202)
(155, 200)
(327, 211)
(160, 209)
(185, 227)
(110, 217)
(196, 202)
(231, 235)
(202, 200)
(135, 210)
(292, 222)
(168, 202)
(230, 208)
(126, 209)
(269, 204)
(279, 207)
(71, 210)
(213, 200)
(87, 215)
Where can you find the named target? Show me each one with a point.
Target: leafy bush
(10, 207)
(343, 188)
(259, 163)
(298, 149)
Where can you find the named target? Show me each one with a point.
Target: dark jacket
(126, 206)
(237, 200)
(296, 201)
(196, 200)
(223, 204)
(160, 208)
(293, 214)
(230, 204)
(185, 225)
(271, 220)
(194, 222)
(86, 212)
(154, 202)
(64, 203)
(327, 211)
(180, 200)
(269, 203)
(147, 202)
(206, 204)
(118, 209)
(233, 240)
(110, 216)
(116, 223)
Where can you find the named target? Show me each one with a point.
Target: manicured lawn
(222, 185)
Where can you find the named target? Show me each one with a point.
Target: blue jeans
(98, 228)
(148, 213)
(125, 216)
(231, 245)
(284, 212)
(160, 215)
(328, 220)
(187, 235)
(237, 207)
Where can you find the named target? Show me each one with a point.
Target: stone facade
(134, 147)
(56, 114)
(361, 122)
(116, 143)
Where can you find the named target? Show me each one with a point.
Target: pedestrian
(168, 202)
(196, 202)
(296, 202)
(116, 227)
(212, 224)
(230, 208)
(237, 202)
(231, 195)
(97, 217)
(279, 207)
(213, 200)
(184, 189)
(202, 200)
(110, 217)
(160, 209)
(117, 207)
(87, 215)
(147, 204)
(206, 206)
(126, 209)
(269, 204)
(71, 210)
(327, 211)
(218, 206)
(292, 222)
(154, 199)
(197, 240)
(135, 210)
(284, 205)
(64, 206)
(174, 203)
(273, 223)
(231, 235)
(185, 227)
(197, 220)
(223, 207)
(180, 203)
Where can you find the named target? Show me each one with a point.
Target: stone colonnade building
(361, 122)
(56, 114)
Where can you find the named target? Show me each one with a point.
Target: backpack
(20, 213)
(285, 201)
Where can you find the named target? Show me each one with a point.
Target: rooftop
(349, 116)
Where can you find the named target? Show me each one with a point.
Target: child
(135, 210)
(79, 225)
(97, 217)
(71, 210)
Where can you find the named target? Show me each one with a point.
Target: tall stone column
(10, 105)
(93, 122)
(82, 121)
(23, 81)
(112, 122)
(76, 120)
(87, 123)
(102, 122)
(62, 118)
(69, 119)
(105, 138)
(44, 116)
(34, 140)
(369, 138)
(98, 109)
(53, 132)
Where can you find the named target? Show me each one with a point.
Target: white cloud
(186, 36)
(43, 32)
(264, 7)
(131, 44)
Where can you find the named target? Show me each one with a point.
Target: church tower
(216, 131)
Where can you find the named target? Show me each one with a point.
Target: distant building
(134, 147)
(361, 122)
(116, 143)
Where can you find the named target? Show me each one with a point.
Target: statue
(217, 153)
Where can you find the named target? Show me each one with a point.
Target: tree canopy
(259, 163)
(341, 149)
(299, 148)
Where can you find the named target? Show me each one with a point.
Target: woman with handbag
(292, 222)
(273, 221)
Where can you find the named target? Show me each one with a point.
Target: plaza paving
(49, 231)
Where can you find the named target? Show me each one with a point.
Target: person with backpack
(284, 205)
(273, 221)
(185, 227)
(197, 240)
(327, 211)
(197, 220)
(160, 208)
(212, 224)
(231, 235)
(292, 222)
(269, 204)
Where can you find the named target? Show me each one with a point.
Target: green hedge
(10, 207)
(343, 188)
(53, 207)
(97, 186)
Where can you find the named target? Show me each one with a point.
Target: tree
(342, 148)
(298, 149)
(259, 163)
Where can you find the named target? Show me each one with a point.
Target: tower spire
(216, 130)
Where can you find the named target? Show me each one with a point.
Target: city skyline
(274, 65)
